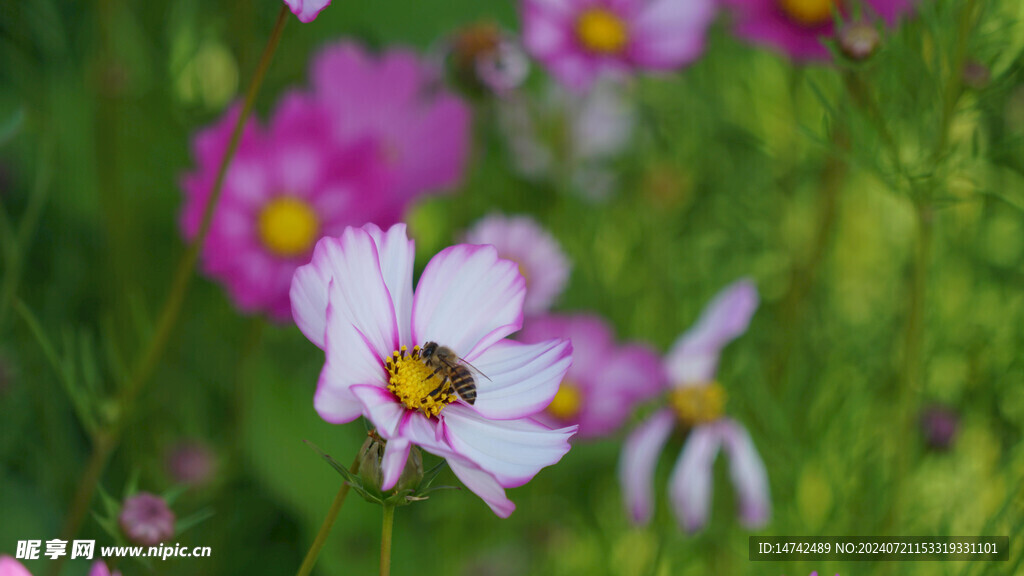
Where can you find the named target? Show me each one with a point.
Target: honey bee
(454, 371)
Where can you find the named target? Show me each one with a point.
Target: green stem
(385, 540)
(172, 306)
(325, 528)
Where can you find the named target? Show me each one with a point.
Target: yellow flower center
(698, 404)
(288, 226)
(567, 402)
(808, 12)
(601, 31)
(415, 384)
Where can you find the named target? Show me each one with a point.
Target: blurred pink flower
(355, 300)
(578, 40)
(287, 186)
(146, 519)
(11, 567)
(306, 10)
(605, 381)
(543, 264)
(190, 462)
(696, 401)
(796, 27)
(99, 568)
(395, 100)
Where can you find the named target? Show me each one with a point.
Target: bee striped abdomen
(463, 383)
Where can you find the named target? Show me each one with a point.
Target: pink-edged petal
(306, 10)
(690, 484)
(397, 256)
(11, 567)
(748, 474)
(309, 294)
(521, 379)
(358, 295)
(381, 407)
(513, 451)
(467, 299)
(350, 360)
(396, 452)
(639, 461)
(483, 485)
(694, 357)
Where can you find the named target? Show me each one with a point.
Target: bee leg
(440, 387)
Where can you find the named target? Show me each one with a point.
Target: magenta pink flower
(146, 519)
(306, 10)
(395, 100)
(796, 27)
(578, 40)
(355, 300)
(696, 402)
(286, 187)
(605, 382)
(99, 568)
(543, 264)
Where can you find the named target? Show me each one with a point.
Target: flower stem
(325, 528)
(104, 447)
(385, 540)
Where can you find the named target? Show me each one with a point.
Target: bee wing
(475, 369)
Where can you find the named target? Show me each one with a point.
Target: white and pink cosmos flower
(355, 300)
(541, 260)
(307, 10)
(696, 401)
(11, 567)
(579, 40)
(606, 380)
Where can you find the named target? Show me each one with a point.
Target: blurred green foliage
(743, 165)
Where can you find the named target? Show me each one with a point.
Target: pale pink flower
(579, 40)
(99, 568)
(306, 10)
(606, 380)
(543, 264)
(287, 186)
(696, 402)
(355, 300)
(395, 100)
(146, 519)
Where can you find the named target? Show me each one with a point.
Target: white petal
(397, 256)
(396, 452)
(748, 474)
(513, 451)
(350, 361)
(521, 379)
(694, 357)
(309, 294)
(382, 409)
(690, 484)
(639, 461)
(483, 485)
(467, 299)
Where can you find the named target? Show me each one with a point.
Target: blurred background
(877, 204)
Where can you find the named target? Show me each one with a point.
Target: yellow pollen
(601, 31)
(808, 12)
(698, 404)
(567, 402)
(288, 226)
(412, 382)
